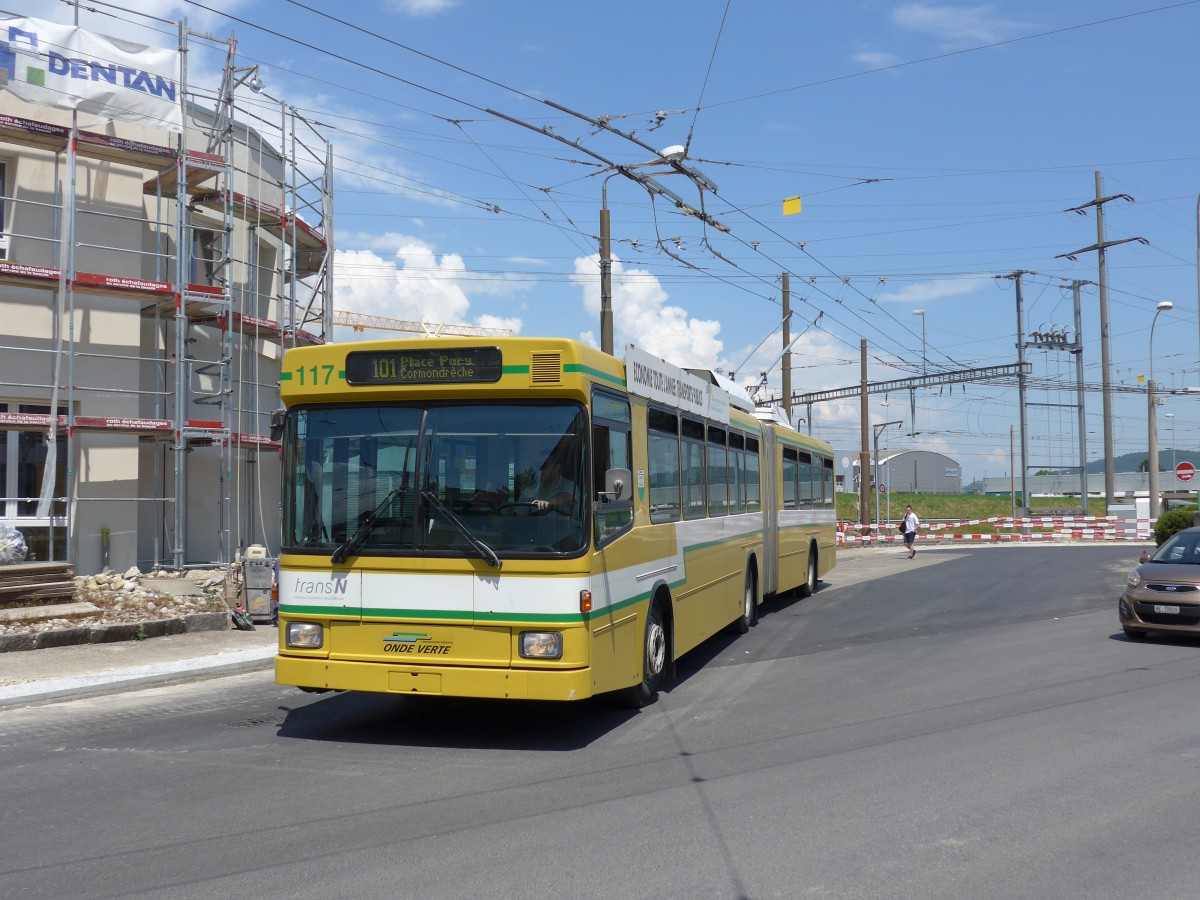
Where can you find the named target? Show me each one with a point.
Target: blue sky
(935, 146)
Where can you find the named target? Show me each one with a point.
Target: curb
(107, 634)
(74, 688)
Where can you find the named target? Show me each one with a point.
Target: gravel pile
(113, 598)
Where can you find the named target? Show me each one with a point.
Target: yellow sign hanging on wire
(791, 206)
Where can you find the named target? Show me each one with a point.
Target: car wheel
(812, 579)
(654, 661)
(749, 615)
(1134, 634)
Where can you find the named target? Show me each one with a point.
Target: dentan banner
(68, 68)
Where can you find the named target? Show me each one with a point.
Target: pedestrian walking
(908, 527)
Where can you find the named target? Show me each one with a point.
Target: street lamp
(877, 429)
(1151, 417)
(924, 363)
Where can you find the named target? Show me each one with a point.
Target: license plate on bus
(1167, 610)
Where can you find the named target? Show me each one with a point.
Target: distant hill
(1129, 462)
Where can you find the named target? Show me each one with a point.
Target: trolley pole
(787, 348)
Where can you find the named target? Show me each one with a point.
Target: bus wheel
(810, 583)
(654, 661)
(749, 615)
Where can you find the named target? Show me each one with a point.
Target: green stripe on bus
(451, 617)
(580, 368)
(465, 616)
(515, 370)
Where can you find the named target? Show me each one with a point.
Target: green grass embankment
(933, 508)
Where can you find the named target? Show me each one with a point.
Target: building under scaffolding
(150, 279)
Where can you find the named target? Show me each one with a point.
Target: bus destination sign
(451, 365)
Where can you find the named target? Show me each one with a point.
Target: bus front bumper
(444, 681)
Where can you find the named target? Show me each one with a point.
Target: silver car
(1163, 593)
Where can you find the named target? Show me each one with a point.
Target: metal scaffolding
(228, 259)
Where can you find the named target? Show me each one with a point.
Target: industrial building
(914, 472)
(154, 263)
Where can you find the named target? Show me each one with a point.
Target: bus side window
(718, 472)
(809, 479)
(791, 466)
(662, 458)
(692, 467)
(752, 477)
(612, 449)
(737, 472)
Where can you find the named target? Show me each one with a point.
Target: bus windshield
(497, 479)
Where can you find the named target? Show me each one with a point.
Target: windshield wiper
(366, 526)
(488, 554)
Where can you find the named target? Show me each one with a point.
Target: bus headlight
(305, 636)
(541, 645)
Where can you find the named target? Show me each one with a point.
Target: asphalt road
(970, 723)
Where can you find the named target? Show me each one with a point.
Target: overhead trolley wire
(523, 94)
(953, 53)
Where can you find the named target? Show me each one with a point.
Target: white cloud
(642, 316)
(415, 284)
(512, 324)
(924, 292)
(421, 7)
(956, 24)
(419, 259)
(875, 59)
(996, 462)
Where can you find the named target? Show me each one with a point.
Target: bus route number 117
(317, 374)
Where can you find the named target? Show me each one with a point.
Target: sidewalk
(32, 676)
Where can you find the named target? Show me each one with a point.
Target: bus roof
(460, 366)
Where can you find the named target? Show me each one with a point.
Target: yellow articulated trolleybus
(529, 518)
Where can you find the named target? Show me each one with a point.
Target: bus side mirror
(278, 421)
(618, 485)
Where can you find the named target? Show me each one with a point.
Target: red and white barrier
(1061, 529)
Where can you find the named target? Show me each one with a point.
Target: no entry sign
(1185, 471)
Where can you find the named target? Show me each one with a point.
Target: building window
(23, 456)
(205, 251)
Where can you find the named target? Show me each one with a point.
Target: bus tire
(749, 615)
(812, 579)
(654, 661)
